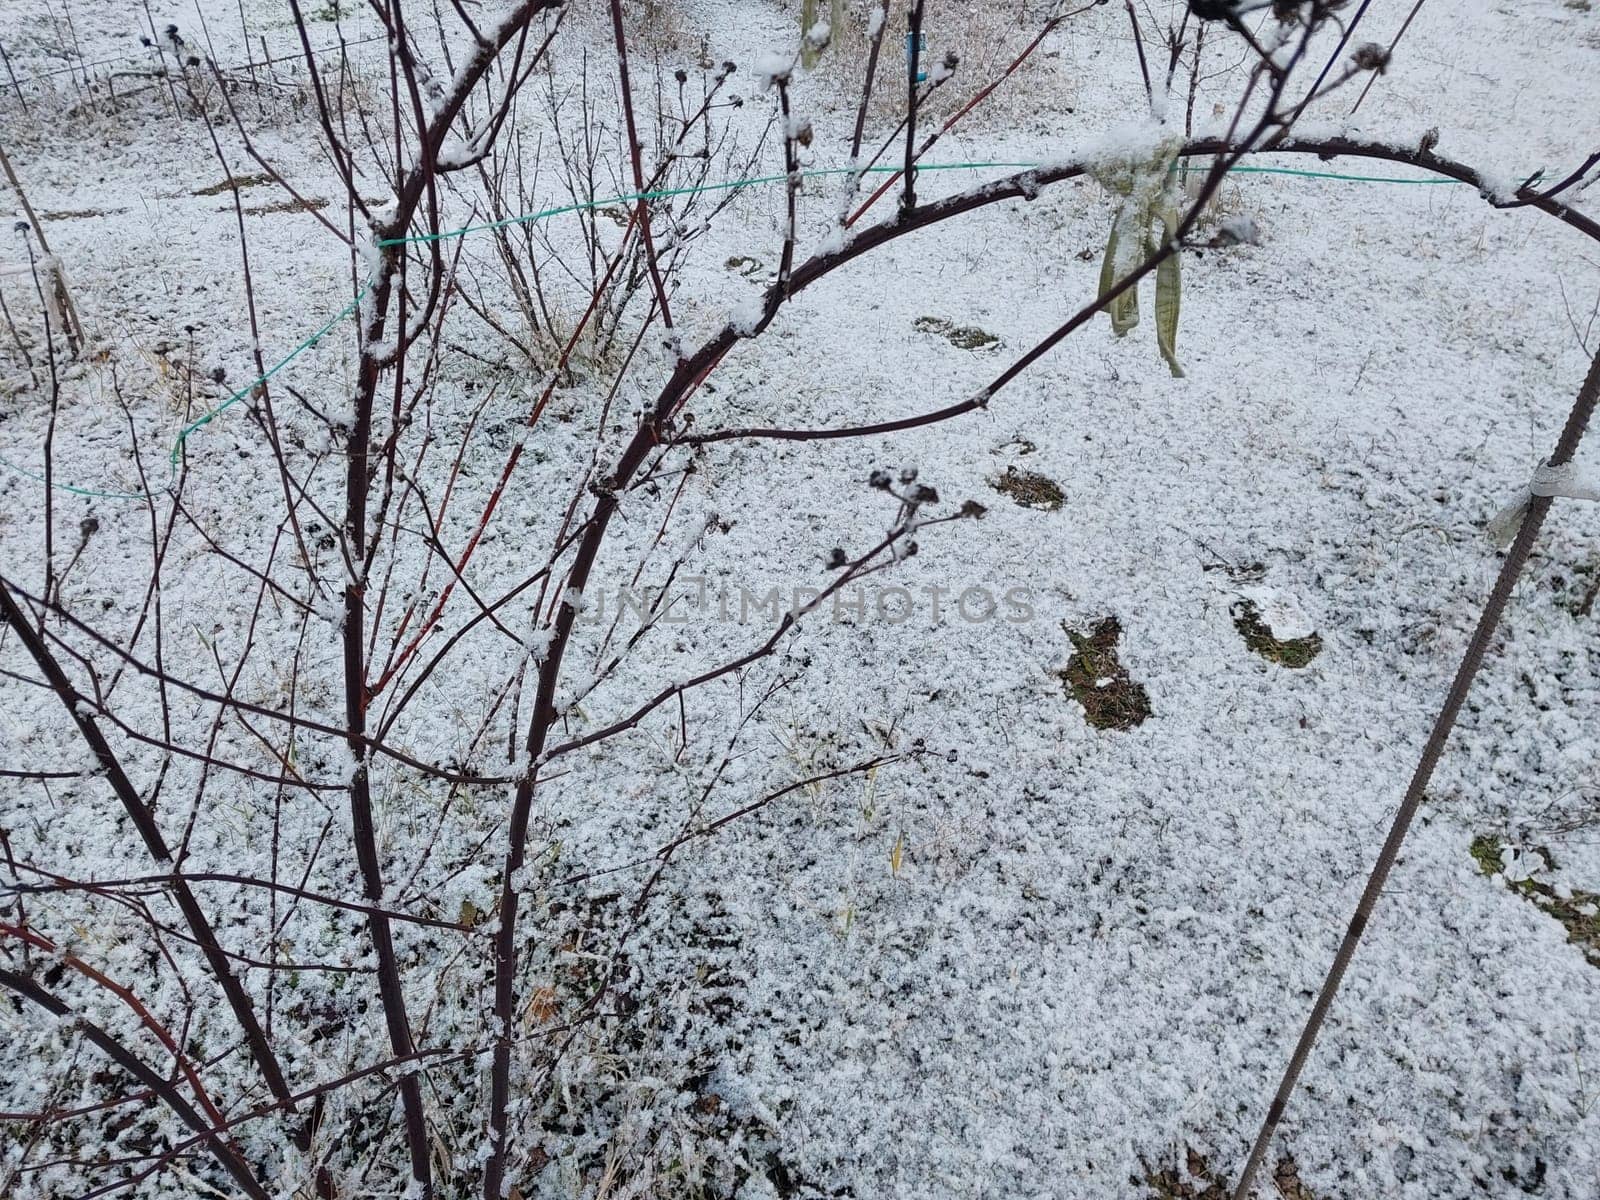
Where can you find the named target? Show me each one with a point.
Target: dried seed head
(1370, 56)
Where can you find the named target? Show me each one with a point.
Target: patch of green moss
(1096, 679)
(1485, 852)
(1289, 652)
(1578, 913)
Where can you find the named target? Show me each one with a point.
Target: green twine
(1333, 175)
(72, 487)
(205, 418)
(582, 206)
(730, 185)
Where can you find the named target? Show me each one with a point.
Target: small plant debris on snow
(1196, 1181)
(1576, 592)
(1237, 229)
(1274, 627)
(308, 204)
(1287, 1180)
(1578, 911)
(1031, 489)
(227, 185)
(1096, 679)
(1192, 1181)
(962, 337)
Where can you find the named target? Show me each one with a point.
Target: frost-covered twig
(908, 198)
(208, 1133)
(434, 121)
(636, 160)
(852, 572)
(60, 883)
(154, 841)
(944, 74)
(791, 184)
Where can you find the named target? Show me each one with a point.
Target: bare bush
(292, 860)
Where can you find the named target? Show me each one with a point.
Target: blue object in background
(917, 45)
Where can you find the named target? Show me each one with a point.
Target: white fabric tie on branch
(1566, 481)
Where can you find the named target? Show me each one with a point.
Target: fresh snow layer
(1036, 959)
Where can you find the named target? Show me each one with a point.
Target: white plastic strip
(1565, 481)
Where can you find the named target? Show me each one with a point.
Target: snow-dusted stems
(1194, 74)
(48, 449)
(375, 746)
(705, 829)
(636, 160)
(908, 198)
(536, 265)
(267, 166)
(434, 121)
(1393, 42)
(205, 1127)
(262, 391)
(1578, 175)
(878, 24)
(333, 134)
(692, 830)
(1347, 33)
(17, 342)
(85, 715)
(150, 608)
(603, 303)
(1176, 39)
(545, 715)
(227, 1154)
(939, 78)
(791, 186)
(430, 1057)
(59, 301)
(1138, 45)
(398, 661)
(1492, 189)
(895, 545)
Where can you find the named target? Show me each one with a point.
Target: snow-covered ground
(1029, 958)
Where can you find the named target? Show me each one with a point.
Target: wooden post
(58, 277)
